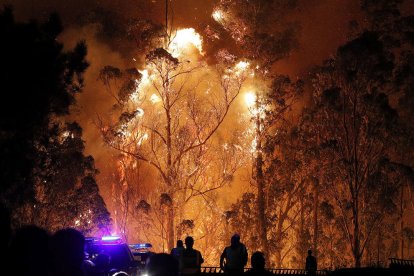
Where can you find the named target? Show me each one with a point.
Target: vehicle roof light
(91, 239)
(140, 245)
(111, 238)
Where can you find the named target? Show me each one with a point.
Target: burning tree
(264, 35)
(118, 175)
(169, 113)
(260, 28)
(276, 172)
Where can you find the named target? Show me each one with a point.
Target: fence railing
(394, 262)
(288, 271)
(276, 271)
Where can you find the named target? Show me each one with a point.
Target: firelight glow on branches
(185, 42)
(140, 84)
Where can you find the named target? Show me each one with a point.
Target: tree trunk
(301, 229)
(278, 241)
(261, 208)
(402, 221)
(170, 228)
(278, 254)
(356, 241)
(379, 246)
(262, 218)
(114, 204)
(331, 249)
(170, 174)
(315, 217)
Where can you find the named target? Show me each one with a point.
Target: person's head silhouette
(180, 243)
(67, 246)
(258, 260)
(310, 252)
(235, 240)
(189, 242)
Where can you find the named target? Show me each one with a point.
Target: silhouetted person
(311, 264)
(234, 257)
(29, 252)
(191, 259)
(258, 265)
(177, 251)
(67, 248)
(162, 265)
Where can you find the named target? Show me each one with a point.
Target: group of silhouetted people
(233, 260)
(189, 260)
(33, 251)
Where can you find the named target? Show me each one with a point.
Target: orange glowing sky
(324, 25)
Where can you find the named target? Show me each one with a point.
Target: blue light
(111, 238)
(91, 239)
(140, 245)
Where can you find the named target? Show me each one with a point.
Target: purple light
(110, 238)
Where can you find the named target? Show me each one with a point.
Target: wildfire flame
(140, 112)
(155, 99)
(218, 15)
(143, 138)
(145, 76)
(241, 67)
(183, 39)
(250, 99)
(253, 104)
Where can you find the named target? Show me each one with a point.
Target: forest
(156, 127)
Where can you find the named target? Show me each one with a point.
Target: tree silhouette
(40, 156)
(357, 127)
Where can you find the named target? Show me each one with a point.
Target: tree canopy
(42, 160)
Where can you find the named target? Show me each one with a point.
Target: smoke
(102, 24)
(94, 102)
(324, 26)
